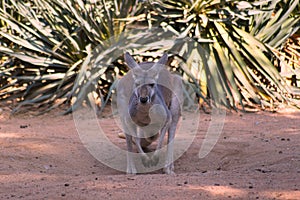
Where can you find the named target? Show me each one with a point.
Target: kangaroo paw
(155, 159)
(146, 160)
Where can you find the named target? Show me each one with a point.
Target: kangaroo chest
(150, 114)
(140, 115)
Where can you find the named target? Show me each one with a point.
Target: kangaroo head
(145, 79)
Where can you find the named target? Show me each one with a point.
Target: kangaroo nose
(144, 99)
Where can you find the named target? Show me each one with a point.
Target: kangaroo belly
(154, 115)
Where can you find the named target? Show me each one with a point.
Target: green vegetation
(57, 52)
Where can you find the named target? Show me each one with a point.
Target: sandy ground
(256, 157)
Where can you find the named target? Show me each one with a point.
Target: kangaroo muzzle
(144, 94)
(144, 100)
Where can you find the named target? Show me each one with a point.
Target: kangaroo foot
(131, 168)
(169, 169)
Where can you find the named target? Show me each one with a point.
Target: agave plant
(52, 39)
(143, 42)
(70, 49)
(236, 64)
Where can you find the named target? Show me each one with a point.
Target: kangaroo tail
(147, 141)
(144, 141)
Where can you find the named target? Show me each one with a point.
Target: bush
(57, 49)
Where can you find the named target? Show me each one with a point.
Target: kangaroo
(149, 100)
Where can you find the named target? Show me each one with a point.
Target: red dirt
(256, 157)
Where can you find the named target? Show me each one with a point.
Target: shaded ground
(256, 157)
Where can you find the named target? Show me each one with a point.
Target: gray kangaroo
(149, 100)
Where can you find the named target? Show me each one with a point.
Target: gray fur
(149, 101)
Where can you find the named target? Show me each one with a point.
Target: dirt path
(256, 157)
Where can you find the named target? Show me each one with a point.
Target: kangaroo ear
(163, 60)
(130, 61)
(155, 69)
(161, 63)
